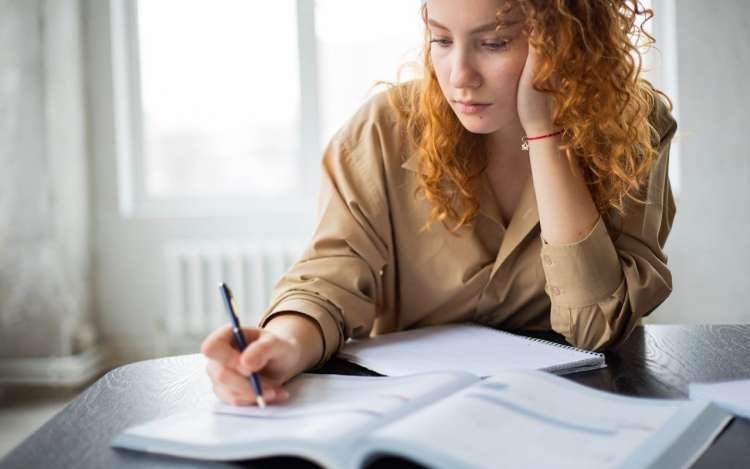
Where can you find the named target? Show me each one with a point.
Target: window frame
(133, 199)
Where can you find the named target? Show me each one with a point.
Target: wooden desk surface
(656, 361)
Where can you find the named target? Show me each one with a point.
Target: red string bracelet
(525, 140)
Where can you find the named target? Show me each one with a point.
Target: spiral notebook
(479, 350)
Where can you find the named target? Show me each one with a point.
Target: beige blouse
(369, 270)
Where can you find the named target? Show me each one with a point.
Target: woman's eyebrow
(480, 29)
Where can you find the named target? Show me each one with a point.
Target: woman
(521, 184)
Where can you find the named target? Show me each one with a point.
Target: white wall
(44, 214)
(709, 247)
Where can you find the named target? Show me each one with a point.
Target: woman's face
(476, 64)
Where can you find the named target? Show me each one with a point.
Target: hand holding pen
(236, 354)
(231, 307)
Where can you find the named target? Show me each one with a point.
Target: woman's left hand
(534, 107)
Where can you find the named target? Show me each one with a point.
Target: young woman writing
(521, 184)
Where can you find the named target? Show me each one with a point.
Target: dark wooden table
(656, 361)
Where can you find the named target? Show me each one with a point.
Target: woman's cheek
(506, 77)
(442, 72)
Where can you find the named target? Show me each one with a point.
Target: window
(224, 106)
(220, 97)
(359, 42)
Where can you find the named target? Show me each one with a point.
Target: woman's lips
(475, 108)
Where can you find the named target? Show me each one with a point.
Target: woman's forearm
(566, 209)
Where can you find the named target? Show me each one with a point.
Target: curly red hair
(591, 62)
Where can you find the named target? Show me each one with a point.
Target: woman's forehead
(472, 16)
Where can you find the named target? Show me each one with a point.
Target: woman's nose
(463, 74)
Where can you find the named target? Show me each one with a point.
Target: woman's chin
(477, 125)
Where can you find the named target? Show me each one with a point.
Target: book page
(202, 428)
(314, 394)
(531, 419)
(323, 410)
(475, 349)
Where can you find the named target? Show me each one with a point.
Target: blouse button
(555, 290)
(381, 272)
(547, 259)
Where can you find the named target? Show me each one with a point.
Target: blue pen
(226, 293)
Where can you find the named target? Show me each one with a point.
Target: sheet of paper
(471, 348)
(733, 396)
(321, 408)
(313, 394)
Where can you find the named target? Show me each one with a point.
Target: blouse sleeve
(600, 287)
(338, 279)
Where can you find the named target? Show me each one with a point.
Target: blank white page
(733, 396)
(471, 348)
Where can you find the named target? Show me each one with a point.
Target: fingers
(260, 352)
(229, 378)
(235, 389)
(229, 370)
(219, 345)
(225, 395)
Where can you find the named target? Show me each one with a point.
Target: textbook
(476, 349)
(516, 418)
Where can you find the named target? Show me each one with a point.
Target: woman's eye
(441, 42)
(496, 45)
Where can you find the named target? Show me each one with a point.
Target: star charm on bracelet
(524, 143)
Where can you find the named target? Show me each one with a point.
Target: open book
(443, 420)
(476, 349)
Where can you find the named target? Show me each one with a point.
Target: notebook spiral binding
(598, 355)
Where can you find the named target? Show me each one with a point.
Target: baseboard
(67, 371)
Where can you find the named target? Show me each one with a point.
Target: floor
(24, 410)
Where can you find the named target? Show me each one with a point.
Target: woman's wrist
(303, 333)
(540, 127)
(531, 139)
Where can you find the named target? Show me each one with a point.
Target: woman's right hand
(273, 356)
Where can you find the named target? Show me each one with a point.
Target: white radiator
(196, 268)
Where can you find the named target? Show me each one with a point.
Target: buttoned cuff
(582, 273)
(316, 309)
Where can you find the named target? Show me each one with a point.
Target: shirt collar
(525, 218)
(526, 211)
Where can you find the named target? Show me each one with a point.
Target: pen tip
(261, 402)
